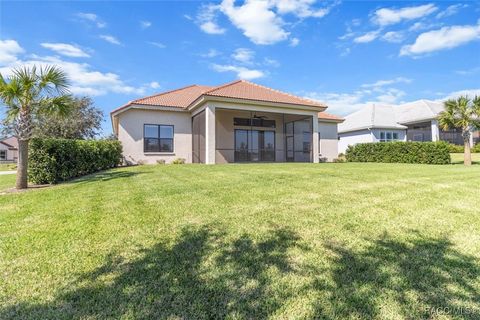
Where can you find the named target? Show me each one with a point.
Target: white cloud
(66, 49)
(382, 83)
(9, 50)
(394, 36)
(294, 42)
(468, 72)
(451, 10)
(257, 21)
(386, 16)
(271, 62)
(260, 21)
(157, 44)
(300, 8)
(367, 37)
(242, 72)
(466, 92)
(377, 92)
(111, 39)
(212, 53)
(92, 17)
(84, 78)
(212, 28)
(145, 24)
(243, 55)
(154, 85)
(206, 19)
(444, 38)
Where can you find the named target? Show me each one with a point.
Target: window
(3, 154)
(388, 136)
(158, 138)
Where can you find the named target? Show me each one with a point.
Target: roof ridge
(283, 92)
(165, 92)
(222, 86)
(373, 114)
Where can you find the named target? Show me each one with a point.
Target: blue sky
(344, 53)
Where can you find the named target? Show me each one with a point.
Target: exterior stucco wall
(130, 133)
(328, 140)
(11, 155)
(352, 138)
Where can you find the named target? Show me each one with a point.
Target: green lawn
(457, 158)
(7, 166)
(282, 241)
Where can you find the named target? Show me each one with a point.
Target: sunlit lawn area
(283, 241)
(457, 158)
(7, 166)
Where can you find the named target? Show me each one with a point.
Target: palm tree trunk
(467, 155)
(22, 177)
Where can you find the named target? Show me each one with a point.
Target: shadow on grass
(106, 176)
(417, 279)
(176, 282)
(206, 275)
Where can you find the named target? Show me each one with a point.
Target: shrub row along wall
(401, 152)
(55, 160)
(460, 148)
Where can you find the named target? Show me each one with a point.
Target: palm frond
(57, 106)
(52, 77)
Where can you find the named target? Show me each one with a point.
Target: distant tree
(83, 122)
(111, 136)
(29, 94)
(464, 114)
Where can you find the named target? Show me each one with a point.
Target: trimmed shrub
(55, 160)
(454, 148)
(476, 148)
(400, 152)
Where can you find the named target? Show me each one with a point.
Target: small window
(387, 136)
(158, 138)
(3, 154)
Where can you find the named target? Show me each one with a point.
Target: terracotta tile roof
(328, 116)
(242, 89)
(182, 98)
(11, 142)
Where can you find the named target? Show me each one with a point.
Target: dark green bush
(455, 148)
(55, 160)
(476, 148)
(401, 152)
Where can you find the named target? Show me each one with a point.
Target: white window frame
(386, 139)
(4, 157)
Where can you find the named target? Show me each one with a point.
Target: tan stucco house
(236, 122)
(9, 150)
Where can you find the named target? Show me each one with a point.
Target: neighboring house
(9, 150)
(236, 122)
(413, 121)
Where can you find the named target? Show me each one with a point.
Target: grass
(8, 166)
(457, 158)
(279, 241)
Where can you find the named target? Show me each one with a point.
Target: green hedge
(55, 160)
(454, 148)
(401, 152)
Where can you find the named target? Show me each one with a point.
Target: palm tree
(28, 94)
(464, 114)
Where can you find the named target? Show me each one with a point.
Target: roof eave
(205, 97)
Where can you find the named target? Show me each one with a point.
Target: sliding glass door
(254, 145)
